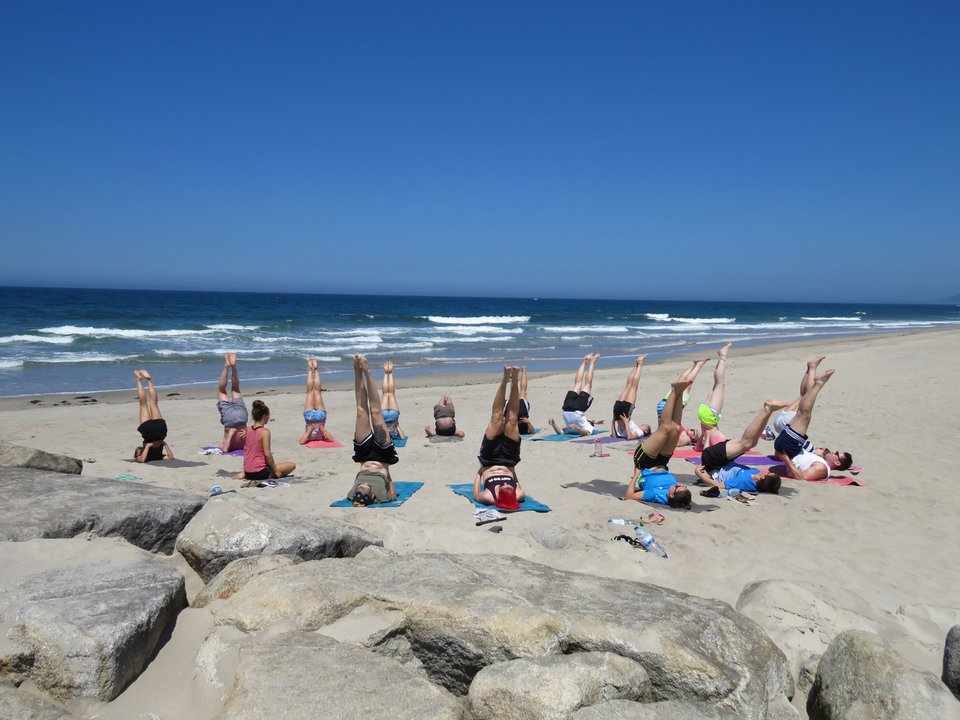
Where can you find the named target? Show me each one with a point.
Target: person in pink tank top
(258, 462)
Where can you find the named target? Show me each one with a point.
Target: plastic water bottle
(648, 543)
(216, 490)
(597, 448)
(620, 521)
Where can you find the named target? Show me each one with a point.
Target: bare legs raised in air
(578, 400)
(314, 413)
(152, 428)
(622, 425)
(233, 411)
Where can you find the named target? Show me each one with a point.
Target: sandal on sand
(711, 492)
(655, 519)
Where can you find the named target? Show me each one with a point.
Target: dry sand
(886, 551)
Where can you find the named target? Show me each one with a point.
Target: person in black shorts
(444, 419)
(152, 428)
(623, 425)
(523, 413)
(655, 452)
(496, 481)
(578, 400)
(373, 447)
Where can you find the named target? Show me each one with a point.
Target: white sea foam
(657, 316)
(855, 317)
(704, 321)
(603, 329)
(119, 332)
(475, 330)
(56, 340)
(79, 357)
(482, 320)
(228, 326)
(11, 364)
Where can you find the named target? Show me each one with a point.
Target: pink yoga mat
(689, 454)
(324, 444)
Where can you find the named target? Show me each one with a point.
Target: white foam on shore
(481, 320)
(815, 319)
(56, 340)
(78, 357)
(118, 332)
(11, 364)
(657, 316)
(475, 330)
(228, 326)
(603, 329)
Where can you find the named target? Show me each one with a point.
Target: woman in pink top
(258, 462)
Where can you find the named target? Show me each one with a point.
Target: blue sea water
(71, 341)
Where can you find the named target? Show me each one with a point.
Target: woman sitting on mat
(152, 428)
(373, 448)
(258, 462)
(496, 482)
(314, 414)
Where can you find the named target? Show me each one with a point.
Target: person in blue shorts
(651, 481)
(314, 413)
(391, 410)
(718, 468)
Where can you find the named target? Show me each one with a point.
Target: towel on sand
(404, 491)
(466, 490)
(214, 450)
(324, 444)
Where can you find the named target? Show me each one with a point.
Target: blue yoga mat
(605, 439)
(466, 490)
(405, 491)
(401, 442)
(563, 437)
(530, 435)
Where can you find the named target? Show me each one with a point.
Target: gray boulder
(232, 526)
(83, 617)
(951, 661)
(553, 686)
(465, 612)
(861, 678)
(305, 675)
(24, 457)
(235, 575)
(666, 710)
(41, 504)
(20, 705)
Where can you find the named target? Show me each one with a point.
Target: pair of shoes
(712, 492)
(655, 519)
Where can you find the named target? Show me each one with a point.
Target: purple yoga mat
(234, 453)
(758, 460)
(602, 438)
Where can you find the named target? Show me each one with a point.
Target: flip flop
(655, 519)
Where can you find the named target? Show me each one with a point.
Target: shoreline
(420, 380)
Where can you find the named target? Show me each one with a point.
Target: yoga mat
(530, 435)
(605, 439)
(401, 443)
(321, 444)
(405, 491)
(234, 453)
(838, 480)
(688, 452)
(563, 437)
(466, 490)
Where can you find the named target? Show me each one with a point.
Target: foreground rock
(860, 676)
(83, 617)
(231, 527)
(235, 575)
(24, 457)
(16, 705)
(553, 686)
(667, 710)
(40, 504)
(304, 675)
(461, 613)
(951, 661)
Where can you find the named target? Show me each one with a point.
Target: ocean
(56, 340)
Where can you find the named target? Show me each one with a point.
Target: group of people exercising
(496, 483)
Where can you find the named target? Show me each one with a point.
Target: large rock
(553, 686)
(24, 457)
(40, 504)
(232, 526)
(83, 617)
(235, 575)
(666, 710)
(861, 678)
(465, 612)
(305, 675)
(951, 661)
(17, 705)
(798, 620)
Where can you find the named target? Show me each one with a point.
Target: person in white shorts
(578, 401)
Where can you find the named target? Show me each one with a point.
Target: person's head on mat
(768, 483)
(680, 497)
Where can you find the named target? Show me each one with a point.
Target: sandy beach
(885, 551)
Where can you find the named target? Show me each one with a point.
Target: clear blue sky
(725, 150)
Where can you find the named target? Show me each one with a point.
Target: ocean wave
(57, 340)
(657, 316)
(606, 329)
(119, 332)
(228, 326)
(470, 339)
(77, 357)
(704, 321)
(11, 364)
(481, 320)
(475, 330)
(854, 317)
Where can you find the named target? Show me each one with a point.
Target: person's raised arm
(705, 478)
(633, 492)
(400, 432)
(791, 468)
(476, 487)
(167, 452)
(305, 438)
(326, 434)
(142, 457)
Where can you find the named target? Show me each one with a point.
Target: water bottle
(622, 521)
(597, 448)
(648, 543)
(216, 490)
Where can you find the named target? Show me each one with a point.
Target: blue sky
(766, 150)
